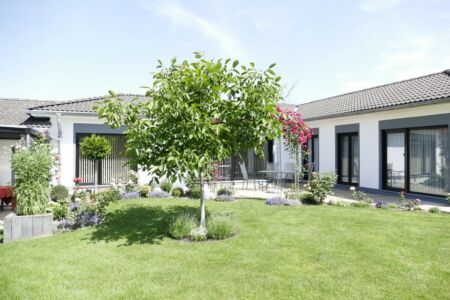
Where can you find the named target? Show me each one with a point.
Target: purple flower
(159, 194)
(74, 206)
(130, 195)
(282, 201)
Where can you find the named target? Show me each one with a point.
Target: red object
(7, 195)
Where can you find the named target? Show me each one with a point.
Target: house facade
(392, 137)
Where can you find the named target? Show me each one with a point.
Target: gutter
(58, 121)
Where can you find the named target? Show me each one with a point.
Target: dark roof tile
(416, 91)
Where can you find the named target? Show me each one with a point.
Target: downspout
(58, 123)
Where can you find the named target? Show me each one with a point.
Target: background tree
(197, 113)
(95, 148)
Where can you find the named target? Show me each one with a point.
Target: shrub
(181, 226)
(434, 210)
(417, 208)
(32, 177)
(307, 197)
(159, 194)
(194, 190)
(145, 190)
(392, 206)
(60, 210)
(220, 227)
(104, 198)
(381, 204)
(225, 198)
(199, 234)
(166, 186)
(177, 192)
(361, 204)
(321, 185)
(448, 198)
(361, 196)
(224, 191)
(282, 201)
(59, 193)
(132, 184)
(411, 204)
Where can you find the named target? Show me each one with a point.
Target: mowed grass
(307, 252)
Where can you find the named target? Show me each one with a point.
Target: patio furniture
(272, 176)
(244, 174)
(6, 196)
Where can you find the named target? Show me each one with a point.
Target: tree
(95, 148)
(295, 134)
(197, 113)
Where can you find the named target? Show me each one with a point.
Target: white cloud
(378, 5)
(181, 16)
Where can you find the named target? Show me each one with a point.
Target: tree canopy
(197, 113)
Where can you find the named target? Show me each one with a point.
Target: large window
(348, 158)
(428, 161)
(112, 169)
(417, 160)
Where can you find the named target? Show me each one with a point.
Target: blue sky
(61, 50)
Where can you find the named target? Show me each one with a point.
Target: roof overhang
(380, 109)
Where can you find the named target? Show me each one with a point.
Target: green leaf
(235, 63)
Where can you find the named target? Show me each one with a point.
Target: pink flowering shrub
(295, 134)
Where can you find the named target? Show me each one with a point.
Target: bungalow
(17, 128)
(390, 137)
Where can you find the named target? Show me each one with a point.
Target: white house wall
(369, 136)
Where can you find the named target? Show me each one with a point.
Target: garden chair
(244, 174)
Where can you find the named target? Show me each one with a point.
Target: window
(428, 159)
(112, 169)
(417, 160)
(348, 158)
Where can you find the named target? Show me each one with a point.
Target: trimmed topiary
(59, 193)
(177, 192)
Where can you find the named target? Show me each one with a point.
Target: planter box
(26, 227)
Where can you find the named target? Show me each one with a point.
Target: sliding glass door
(416, 160)
(395, 160)
(348, 158)
(428, 161)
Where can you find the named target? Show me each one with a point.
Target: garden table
(6, 195)
(270, 176)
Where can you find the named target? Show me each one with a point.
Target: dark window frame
(78, 137)
(350, 160)
(407, 158)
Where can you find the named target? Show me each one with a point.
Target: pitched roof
(13, 113)
(416, 91)
(84, 105)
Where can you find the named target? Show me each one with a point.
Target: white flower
(352, 188)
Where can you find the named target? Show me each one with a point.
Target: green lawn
(320, 252)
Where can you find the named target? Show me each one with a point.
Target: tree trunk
(202, 205)
(297, 170)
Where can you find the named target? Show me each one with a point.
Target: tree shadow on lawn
(138, 224)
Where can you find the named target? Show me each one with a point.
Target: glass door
(395, 163)
(348, 158)
(428, 161)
